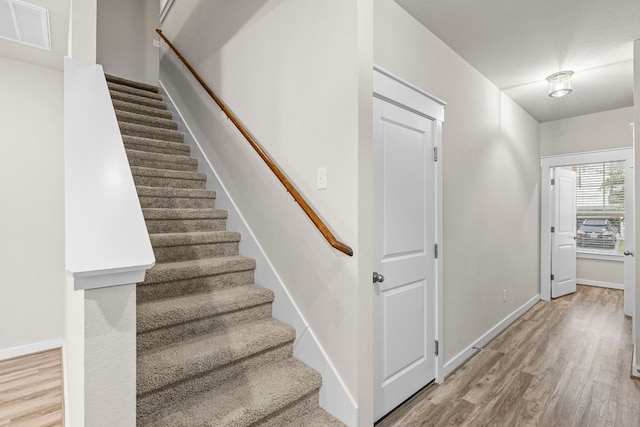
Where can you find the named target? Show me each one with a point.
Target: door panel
(563, 252)
(404, 235)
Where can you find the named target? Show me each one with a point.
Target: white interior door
(563, 239)
(404, 237)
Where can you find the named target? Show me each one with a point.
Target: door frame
(546, 204)
(392, 89)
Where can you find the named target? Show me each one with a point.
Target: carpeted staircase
(209, 351)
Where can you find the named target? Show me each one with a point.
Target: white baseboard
(23, 350)
(485, 339)
(334, 396)
(600, 284)
(635, 369)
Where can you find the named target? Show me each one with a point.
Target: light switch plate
(322, 179)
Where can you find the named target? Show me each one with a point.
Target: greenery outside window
(600, 207)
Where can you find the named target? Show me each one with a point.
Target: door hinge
(435, 251)
(553, 229)
(435, 154)
(437, 349)
(553, 181)
(553, 277)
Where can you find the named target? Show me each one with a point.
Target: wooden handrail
(324, 230)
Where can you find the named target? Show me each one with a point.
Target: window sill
(600, 256)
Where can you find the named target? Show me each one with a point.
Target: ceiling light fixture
(560, 84)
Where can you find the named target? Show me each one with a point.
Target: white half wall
(32, 273)
(490, 178)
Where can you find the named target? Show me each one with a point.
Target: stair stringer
(334, 396)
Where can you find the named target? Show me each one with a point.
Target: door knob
(377, 277)
(629, 253)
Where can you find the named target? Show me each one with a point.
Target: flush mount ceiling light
(25, 23)
(560, 84)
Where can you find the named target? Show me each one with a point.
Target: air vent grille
(25, 23)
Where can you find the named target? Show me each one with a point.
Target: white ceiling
(517, 43)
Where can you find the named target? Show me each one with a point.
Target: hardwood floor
(31, 390)
(564, 363)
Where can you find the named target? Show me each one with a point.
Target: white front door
(563, 238)
(404, 237)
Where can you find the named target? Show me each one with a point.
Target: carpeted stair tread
(143, 119)
(169, 213)
(142, 109)
(318, 417)
(135, 99)
(167, 173)
(161, 161)
(161, 313)
(185, 359)
(144, 131)
(250, 398)
(167, 197)
(195, 238)
(157, 146)
(146, 191)
(181, 270)
(116, 87)
(132, 83)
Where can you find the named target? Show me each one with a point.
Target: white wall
(290, 70)
(600, 272)
(599, 131)
(491, 180)
(125, 34)
(32, 214)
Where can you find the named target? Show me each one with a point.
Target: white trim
(334, 395)
(546, 163)
(485, 339)
(396, 91)
(635, 369)
(600, 284)
(23, 350)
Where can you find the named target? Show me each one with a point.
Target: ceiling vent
(25, 23)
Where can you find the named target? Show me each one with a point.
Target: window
(600, 207)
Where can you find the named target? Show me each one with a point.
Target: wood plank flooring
(566, 362)
(31, 390)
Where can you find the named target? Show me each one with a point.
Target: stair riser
(137, 161)
(190, 252)
(145, 120)
(177, 202)
(133, 99)
(156, 149)
(142, 109)
(151, 133)
(171, 334)
(179, 225)
(293, 411)
(151, 402)
(150, 292)
(154, 181)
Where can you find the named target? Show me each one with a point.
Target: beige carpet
(209, 351)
